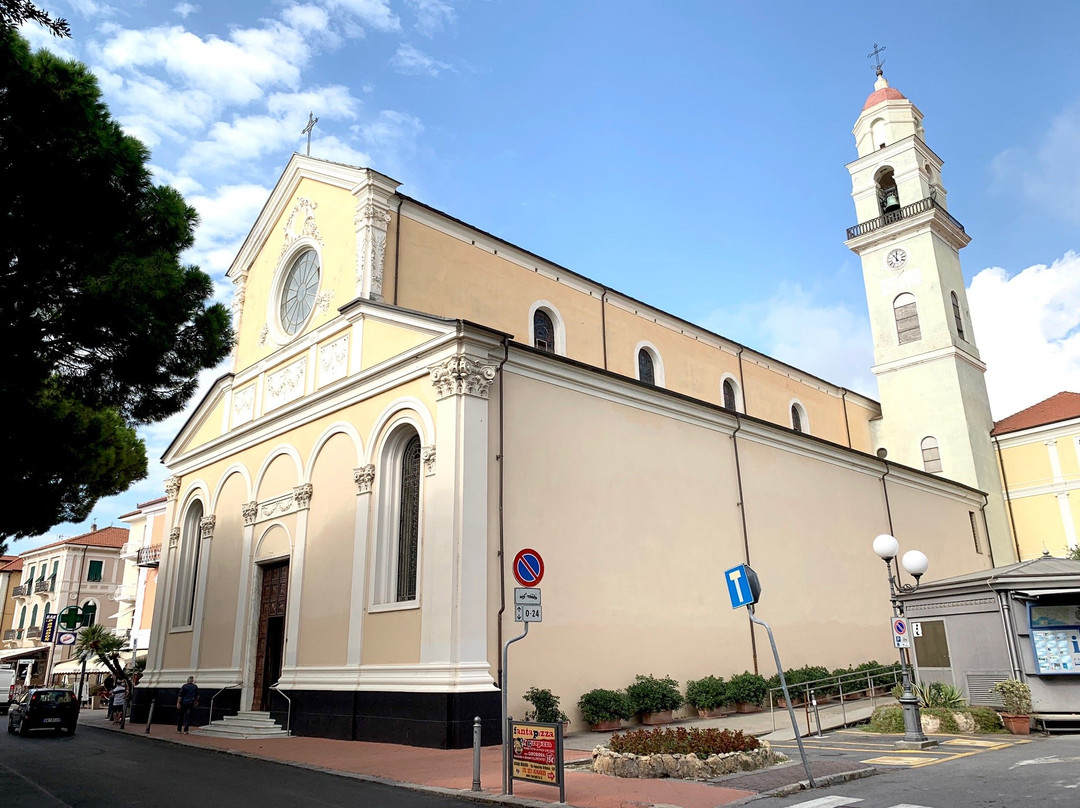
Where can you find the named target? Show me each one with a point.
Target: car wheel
(24, 730)
(71, 730)
(10, 727)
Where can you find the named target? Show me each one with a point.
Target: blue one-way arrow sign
(743, 586)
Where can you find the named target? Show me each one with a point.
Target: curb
(469, 796)
(822, 782)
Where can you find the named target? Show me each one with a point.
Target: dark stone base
(436, 720)
(165, 712)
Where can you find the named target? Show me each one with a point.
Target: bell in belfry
(892, 201)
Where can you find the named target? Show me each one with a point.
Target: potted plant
(545, 707)
(1016, 699)
(708, 696)
(747, 690)
(604, 710)
(654, 699)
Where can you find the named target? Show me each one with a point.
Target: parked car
(7, 689)
(45, 708)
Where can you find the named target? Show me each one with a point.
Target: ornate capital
(371, 221)
(174, 537)
(302, 494)
(206, 526)
(428, 456)
(460, 375)
(251, 511)
(172, 487)
(364, 477)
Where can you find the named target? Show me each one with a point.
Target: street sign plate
(528, 567)
(66, 637)
(528, 614)
(526, 596)
(744, 589)
(916, 629)
(901, 635)
(48, 629)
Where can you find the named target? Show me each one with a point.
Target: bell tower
(934, 404)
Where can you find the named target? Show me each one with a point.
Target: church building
(414, 400)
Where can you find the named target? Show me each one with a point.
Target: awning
(94, 665)
(18, 653)
(1037, 593)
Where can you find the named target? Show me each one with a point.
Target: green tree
(14, 13)
(102, 326)
(98, 641)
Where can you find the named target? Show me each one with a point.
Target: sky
(690, 154)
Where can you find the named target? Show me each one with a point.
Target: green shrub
(749, 688)
(604, 705)
(681, 741)
(648, 694)
(546, 706)
(708, 693)
(891, 719)
(887, 719)
(935, 694)
(986, 719)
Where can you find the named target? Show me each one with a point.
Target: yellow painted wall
(1038, 524)
(392, 638)
(223, 576)
(1028, 464)
(383, 341)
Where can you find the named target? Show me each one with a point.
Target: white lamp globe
(886, 546)
(915, 562)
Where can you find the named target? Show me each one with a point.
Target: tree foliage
(14, 13)
(103, 327)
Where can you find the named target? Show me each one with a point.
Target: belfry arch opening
(887, 194)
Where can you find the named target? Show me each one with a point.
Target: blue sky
(691, 154)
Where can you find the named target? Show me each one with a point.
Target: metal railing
(148, 556)
(288, 714)
(893, 216)
(12, 634)
(847, 687)
(33, 632)
(227, 687)
(23, 589)
(45, 585)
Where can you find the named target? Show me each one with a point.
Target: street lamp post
(916, 563)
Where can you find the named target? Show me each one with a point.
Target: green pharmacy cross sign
(71, 618)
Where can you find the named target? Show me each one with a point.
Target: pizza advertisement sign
(536, 754)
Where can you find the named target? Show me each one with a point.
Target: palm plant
(98, 641)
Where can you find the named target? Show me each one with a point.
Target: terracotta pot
(606, 726)
(715, 712)
(661, 717)
(746, 707)
(1017, 724)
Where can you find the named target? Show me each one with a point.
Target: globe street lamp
(916, 564)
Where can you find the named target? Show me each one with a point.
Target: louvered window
(729, 395)
(956, 316)
(907, 318)
(931, 455)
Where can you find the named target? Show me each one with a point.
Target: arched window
(731, 400)
(89, 615)
(956, 315)
(646, 370)
(48, 607)
(22, 618)
(398, 550)
(543, 331)
(187, 567)
(877, 133)
(33, 616)
(30, 577)
(931, 455)
(907, 318)
(799, 421)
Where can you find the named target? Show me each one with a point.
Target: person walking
(186, 702)
(119, 698)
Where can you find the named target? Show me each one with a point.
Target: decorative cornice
(172, 487)
(460, 375)
(302, 495)
(206, 526)
(250, 511)
(174, 537)
(364, 477)
(428, 456)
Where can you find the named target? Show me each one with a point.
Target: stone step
(245, 724)
(218, 732)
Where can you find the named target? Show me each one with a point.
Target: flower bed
(682, 741)
(684, 766)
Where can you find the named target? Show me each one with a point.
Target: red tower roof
(884, 94)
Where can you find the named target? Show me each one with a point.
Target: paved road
(1043, 773)
(97, 769)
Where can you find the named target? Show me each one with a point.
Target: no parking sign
(901, 635)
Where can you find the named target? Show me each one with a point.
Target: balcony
(149, 556)
(12, 634)
(125, 593)
(22, 591)
(46, 585)
(33, 633)
(906, 212)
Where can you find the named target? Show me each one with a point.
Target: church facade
(414, 400)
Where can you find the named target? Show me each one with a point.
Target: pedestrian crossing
(838, 801)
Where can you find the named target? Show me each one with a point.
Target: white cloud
(185, 10)
(374, 14)
(1047, 174)
(92, 8)
(38, 37)
(1028, 330)
(229, 213)
(307, 17)
(432, 15)
(829, 340)
(412, 62)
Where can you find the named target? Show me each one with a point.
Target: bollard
(150, 715)
(817, 715)
(476, 754)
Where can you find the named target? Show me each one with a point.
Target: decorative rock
(683, 767)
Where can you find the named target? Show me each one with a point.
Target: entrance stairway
(245, 724)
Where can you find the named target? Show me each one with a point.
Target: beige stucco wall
(223, 576)
(637, 517)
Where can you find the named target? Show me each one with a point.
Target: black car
(45, 708)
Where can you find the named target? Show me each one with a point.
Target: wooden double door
(270, 647)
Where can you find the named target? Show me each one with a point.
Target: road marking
(852, 748)
(966, 742)
(897, 760)
(828, 802)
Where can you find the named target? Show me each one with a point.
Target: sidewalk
(449, 771)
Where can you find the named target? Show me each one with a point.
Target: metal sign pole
(505, 706)
(787, 696)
